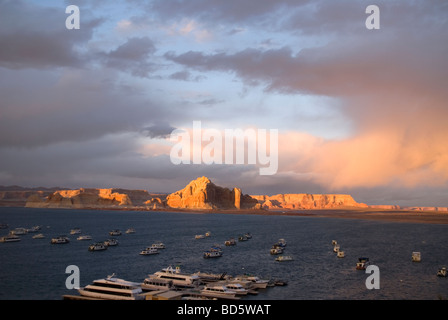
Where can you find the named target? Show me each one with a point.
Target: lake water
(34, 269)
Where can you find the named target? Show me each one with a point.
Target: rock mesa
(204, 194)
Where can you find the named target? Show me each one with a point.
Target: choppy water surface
(34, 269)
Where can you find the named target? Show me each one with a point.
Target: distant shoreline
(402, 216)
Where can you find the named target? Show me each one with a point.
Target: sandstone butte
(202, 193)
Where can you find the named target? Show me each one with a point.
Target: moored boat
(230, 242)
(256, 281)
(111, 242)
(115, 232)
(149, 251)
(212, 254)
(442, 272)
(340, 254)
(84, 237)
(284, 258)
(158, 245)
(99, 246)
(416, 257)
(180, 279)
(130, 230)
(60, 240)
(112, 288)
(218, 291)
(362, 263)
(39, 236)
(10, 238)
(75, 231)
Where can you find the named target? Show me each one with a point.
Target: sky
(358, 111)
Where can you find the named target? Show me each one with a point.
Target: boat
(340, 254)
(149, 251)
(442, 272)
(112, 288)
(212, 254)
(158, 245)
(205, 277)
(242, 238)
(336, 248)
(34, 229)
(59, 240)
(256, 281)
(199, 236)
(248, 235)
(416, 257)
(11, 237)
(334, 242)
(99, 246)
(111, 242)
(276, 250)
(150, 284)
(239, 289)
(362, 263)
(75, 231)
(208, 234)
(19, 231)
(230, 242)
(180, 279)
(216, 247)
(218, 291)
(281, 243)
(39, 236)
(130, 230)
(115, 232)
(84, 237)
(284, 258)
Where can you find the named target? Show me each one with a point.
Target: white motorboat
(111, 242)
(256, 281)
(284, 258)
(75, 231)
(199, 236)
(59, 240)
(334, 242)
(112, 288)
(34, 229)
(157, 284)
(239, 289)
(416, 257)
(218, 291)
(39, 236)
(130, 230)
(179, 278)
(84, 237)
(149, 251)
(442, 272)
(158, 245)
(212, 254)
(11, 237)
(19, 231)
(340, 254)
(208, 234)
(99, 246)
(336, 248)
(115, 232)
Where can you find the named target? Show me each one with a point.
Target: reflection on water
(35, 269)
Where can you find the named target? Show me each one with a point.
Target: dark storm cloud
(159, 130)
